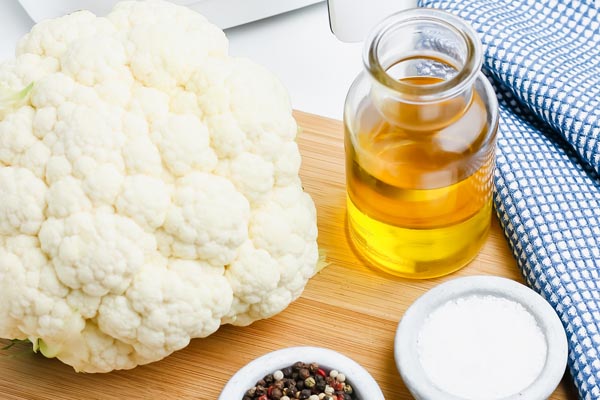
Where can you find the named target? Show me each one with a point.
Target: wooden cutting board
(348, 307)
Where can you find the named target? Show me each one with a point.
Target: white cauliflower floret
(183, 143)
(261, 107)
(96, 59)
(87, 137)
(102, 185)
(11, 276)
(57, 168)
(35, 159)
(166, 43)
(18, 145)
(251, 175)
(146, 200)
(283, 225)
(142, 157)
(16, 135)
(166, 306)
(287, 165)
(86, 305)
(184, 102)
(150, 102)
(208, 219)
(94, 351)
(231, 138)
(36, 299)
(243, 100)
(22, 201)
(97, 253)
(66, 197)
(51, 91)
(149, 188)
(26, 68)
(53, 37)
(253, 273)
(282, 236)
(254, 277)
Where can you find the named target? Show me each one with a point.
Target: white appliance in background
(351, 20)
(223, 13)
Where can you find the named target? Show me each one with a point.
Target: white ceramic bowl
(406, 351)
(362, 382)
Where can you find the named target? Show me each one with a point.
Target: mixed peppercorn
(304, 382)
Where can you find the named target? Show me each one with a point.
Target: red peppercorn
(263, 397)
(321, 372)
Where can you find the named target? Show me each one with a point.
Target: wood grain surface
(348, 307)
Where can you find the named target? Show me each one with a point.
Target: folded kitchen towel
(543, 58)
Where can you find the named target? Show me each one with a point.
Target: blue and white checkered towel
(544, 59)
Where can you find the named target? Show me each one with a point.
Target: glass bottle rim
(465, 75)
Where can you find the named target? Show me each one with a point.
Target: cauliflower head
(149, 188)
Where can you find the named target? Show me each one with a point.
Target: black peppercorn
(276, 394)
(260, 390)
(297, 365)
(320, 386)
(268, 379)
(304, 373)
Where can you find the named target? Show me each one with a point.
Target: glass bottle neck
(423, 56)
(425, 116)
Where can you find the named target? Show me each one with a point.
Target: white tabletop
(298, 47)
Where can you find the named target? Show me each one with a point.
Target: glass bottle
(420, 135)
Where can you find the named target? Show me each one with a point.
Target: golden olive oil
(419, 178)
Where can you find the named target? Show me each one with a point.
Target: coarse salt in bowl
(362, 382)
(481, 337)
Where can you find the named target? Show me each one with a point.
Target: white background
(297, 46)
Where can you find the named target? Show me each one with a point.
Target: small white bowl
(406, 350)
(362, 382)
